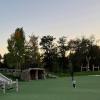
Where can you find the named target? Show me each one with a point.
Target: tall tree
(62, 44)
(85, 52)
(16, 48)
(73, 45)
(62, 49)
(33, 51)
(48, 47)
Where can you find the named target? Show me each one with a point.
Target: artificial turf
(88, 88)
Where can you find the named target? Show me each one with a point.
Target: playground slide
(5, 79)
(7, 83)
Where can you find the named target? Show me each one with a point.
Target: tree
(85, 46)
(16, 48)
(73, 45)
(49, 50)
(85, 52)
(62, 48)
(33, 52)
(74, 56)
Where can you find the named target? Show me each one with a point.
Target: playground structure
(87, 68)
(6, 83)
(33, 74)
(94, 67)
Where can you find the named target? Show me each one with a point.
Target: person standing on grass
(74, 83)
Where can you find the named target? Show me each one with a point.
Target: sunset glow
(70, 18)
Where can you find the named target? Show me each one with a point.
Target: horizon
(54, 17)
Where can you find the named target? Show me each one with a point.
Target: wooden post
(88, 63)
(4, 88)
(44, 74)
(93, 67)
(81, 68)
(98, 68)
(36, 75)
(88, 68)
(17, 88)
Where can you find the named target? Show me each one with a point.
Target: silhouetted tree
(16, 48)
(49, 51)
(62, 49)
(32, 52)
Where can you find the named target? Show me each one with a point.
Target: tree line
(49, 53)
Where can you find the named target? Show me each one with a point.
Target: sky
(70, 18)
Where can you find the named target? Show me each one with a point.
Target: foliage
(49, 57)
(62, 49)
(16, 48)
(32, 55)
(50, 54)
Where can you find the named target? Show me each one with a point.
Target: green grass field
(88, 88)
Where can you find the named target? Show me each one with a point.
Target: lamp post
(70, 65)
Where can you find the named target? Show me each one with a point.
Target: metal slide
(6, 83)
(4, 79)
